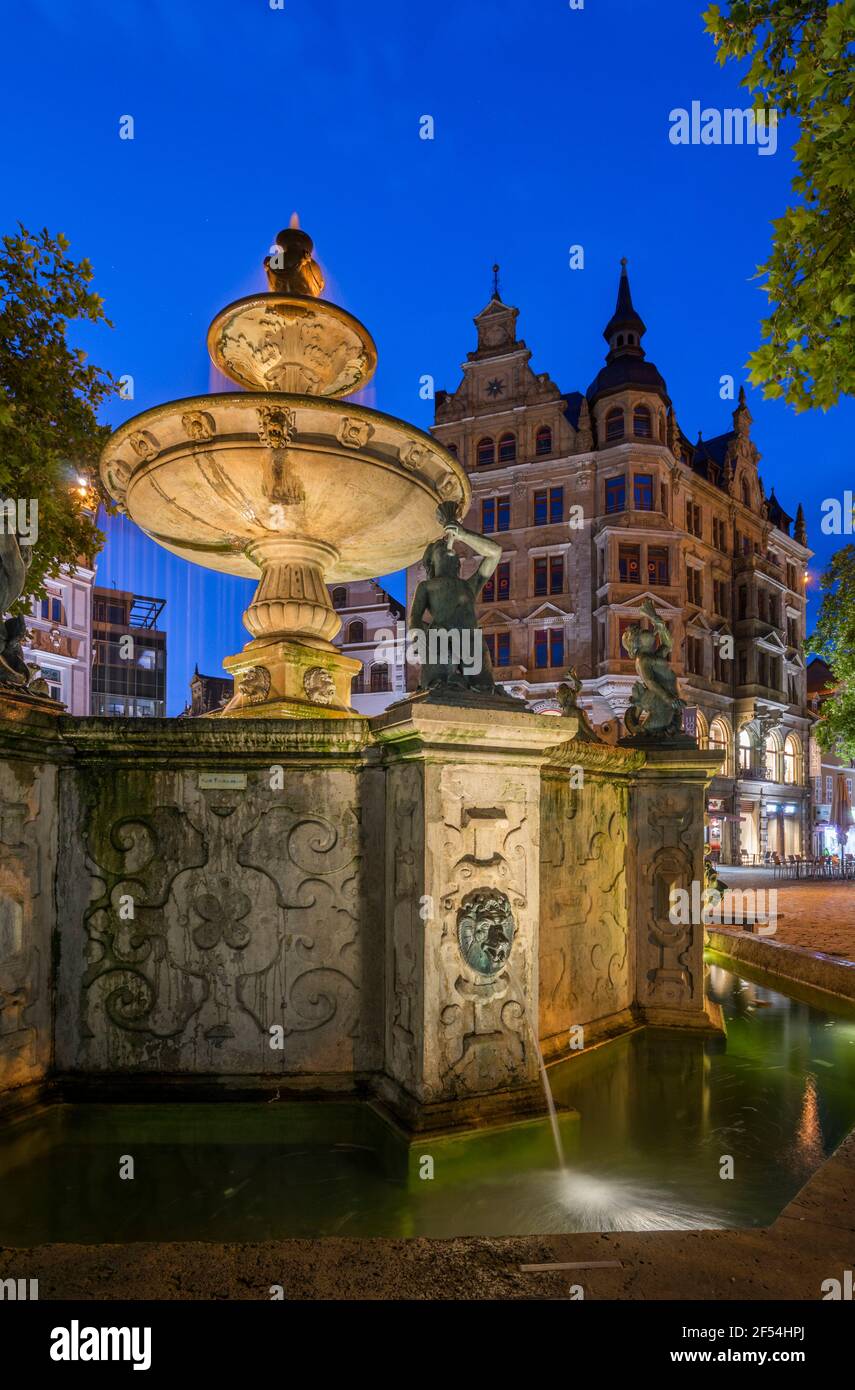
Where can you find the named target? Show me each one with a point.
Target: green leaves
(801, 65)
(49, 396)
(834, 641)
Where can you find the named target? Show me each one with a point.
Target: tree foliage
(801, 65)
(49, 396)
(834, 641)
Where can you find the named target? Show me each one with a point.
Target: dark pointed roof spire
(496, 294)
(625, 318)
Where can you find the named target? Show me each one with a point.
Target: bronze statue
(568, 699)
(656, 710)
(292, 269)
(14, 563)
(455, 655)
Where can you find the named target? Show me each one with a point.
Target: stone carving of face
(485, 930)
(319, 686)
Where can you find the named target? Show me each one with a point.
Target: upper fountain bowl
(292, 343)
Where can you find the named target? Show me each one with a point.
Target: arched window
(746, 750)
(620, 340)
(339, 597)
(642, 424)
(356, 631)
(543, 440)
(452, 449)
(719, 741)
(357, 685)
(630, 338)
(508, 448)
(380, 677)
(703, 733)
(614, 424)
(486, 452)
(792, 760)
(774, 769)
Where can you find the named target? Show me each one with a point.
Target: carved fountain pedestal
(285, 482)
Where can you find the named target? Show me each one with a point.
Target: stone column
(665, 846)
(462, 909)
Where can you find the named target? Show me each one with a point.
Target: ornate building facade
(60, 636)
(599, 500)
(366, 611)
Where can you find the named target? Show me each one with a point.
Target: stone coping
(795, 964)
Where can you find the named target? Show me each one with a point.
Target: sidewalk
(817, 914)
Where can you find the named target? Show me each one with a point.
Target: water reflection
(651, 1117)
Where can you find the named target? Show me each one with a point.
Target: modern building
(600, 502)
(129, 655)
(367, 612)
(826, 768)
(60, 637)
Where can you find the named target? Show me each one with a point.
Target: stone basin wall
(290, 900)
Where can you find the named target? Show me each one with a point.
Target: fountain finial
(291, 268)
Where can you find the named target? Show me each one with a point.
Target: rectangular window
(541, 649)
(743, 668)
(556, 646)
(629, 564)
(556, 574)
(829, 788)
(503, 513)
(718, 665)
(540, 576)
(695, 655)
(718, 587)
(499, 583)
(503, 649)
(694, 585)
(52, 609)
(693, 519)
(616, 494)
(657, 564)
(488, 515)
(541, 507)
(741, 601)
(642, 492)
(556, 504)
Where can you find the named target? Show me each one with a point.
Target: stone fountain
(409, 908)
(286, 482)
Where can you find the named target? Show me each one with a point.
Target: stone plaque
(231, 780)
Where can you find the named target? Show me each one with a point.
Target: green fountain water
(653, 1115)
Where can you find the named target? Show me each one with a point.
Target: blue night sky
(551, 129)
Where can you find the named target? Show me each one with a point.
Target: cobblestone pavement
(819, 915)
